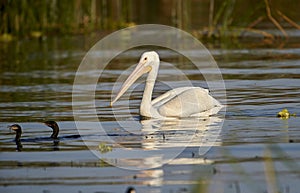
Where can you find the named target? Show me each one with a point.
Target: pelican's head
(149, 61)
(149, 58)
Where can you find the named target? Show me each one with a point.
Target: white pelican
(179, 102)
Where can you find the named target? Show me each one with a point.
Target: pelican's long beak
(140, 69)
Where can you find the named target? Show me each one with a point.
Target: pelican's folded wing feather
(186, 102)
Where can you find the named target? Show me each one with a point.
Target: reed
(37, 18)
(30, 18)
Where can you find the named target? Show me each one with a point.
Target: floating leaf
(285, 114)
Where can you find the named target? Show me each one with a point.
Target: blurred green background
(31, 18)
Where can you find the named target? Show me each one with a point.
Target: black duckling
(54, 127)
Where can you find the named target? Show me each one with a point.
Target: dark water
(254, 151)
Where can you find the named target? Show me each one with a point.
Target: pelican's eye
(145, 58)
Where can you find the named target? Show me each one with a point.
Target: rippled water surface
(252, 150)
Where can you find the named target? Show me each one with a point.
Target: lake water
(252, 150)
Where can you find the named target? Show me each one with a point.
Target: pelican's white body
(178, 102)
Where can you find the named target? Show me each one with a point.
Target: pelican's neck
(146, 106)
(147, 96)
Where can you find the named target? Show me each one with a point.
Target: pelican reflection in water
(178, 102)
(160, 141)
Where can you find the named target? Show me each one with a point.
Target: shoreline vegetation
(212, 19)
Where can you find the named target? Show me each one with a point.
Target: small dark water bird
(17, 128)
(130, 189)
(54, 136)
(54, 127)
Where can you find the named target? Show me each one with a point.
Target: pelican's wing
(185, 102)
(170, 95)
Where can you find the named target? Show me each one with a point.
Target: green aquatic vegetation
(6, 37)
(219, 19)
(285, 114)
(104, 148)
(36, 34)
